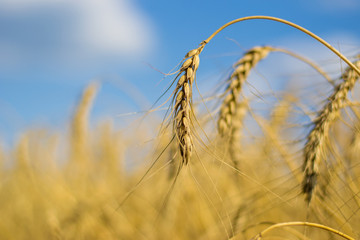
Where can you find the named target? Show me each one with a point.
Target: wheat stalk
(316, 139)
(183, 102)
(291, 24)
(308, 224)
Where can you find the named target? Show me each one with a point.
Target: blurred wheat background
(99, 183)
(258, 140)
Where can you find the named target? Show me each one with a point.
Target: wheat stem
(308, 224)
(319, 39)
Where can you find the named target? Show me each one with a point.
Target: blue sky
(50, 50)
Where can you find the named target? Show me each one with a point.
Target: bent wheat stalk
(317, 136)
(183, 92)
(291, 24)
(307, 224)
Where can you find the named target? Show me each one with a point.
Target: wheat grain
(316, 139)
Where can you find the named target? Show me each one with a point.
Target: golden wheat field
(236, 163)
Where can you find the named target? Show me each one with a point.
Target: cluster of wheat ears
(232, 107)
(200, 184)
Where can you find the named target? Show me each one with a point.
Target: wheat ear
(232, 110)
(183, 102)
(237, 79)
(79, 125)
(317, 136)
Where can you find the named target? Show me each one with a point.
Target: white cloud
(69, 29)
(114, 26)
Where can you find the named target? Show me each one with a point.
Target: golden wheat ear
(231, 102)
(79, 126)
(183, 103)
(239, 76)
(316, 139)
(232, 110)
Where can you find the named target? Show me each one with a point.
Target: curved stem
(309, 224)
(292, 25)
(307, 61)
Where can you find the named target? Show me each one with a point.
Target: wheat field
(236, 163)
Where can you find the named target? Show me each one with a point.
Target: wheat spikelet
(183, 102)
(317, 137)
(237, 79)
(232, 110)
